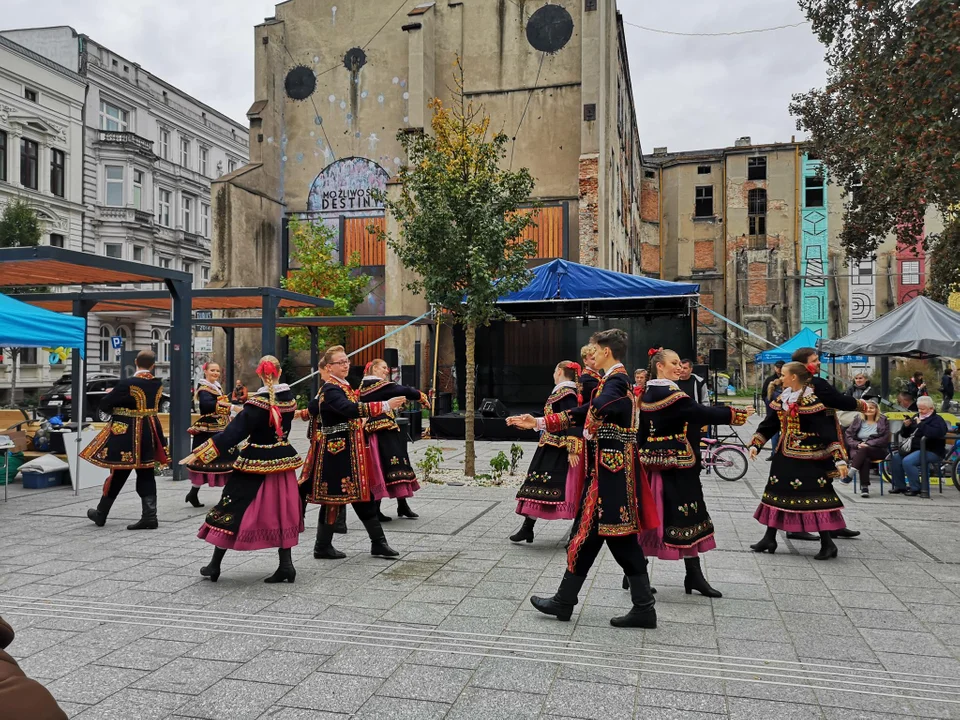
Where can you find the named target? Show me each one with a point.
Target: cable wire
(716, 34)
(523, 115)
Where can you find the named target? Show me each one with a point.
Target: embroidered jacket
(267, 450)
(375, 389)
(587, 384)
(561, 399)
(214, 410)
(133, 438)
(808, 430)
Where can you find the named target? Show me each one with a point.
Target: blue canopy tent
(23, 325)
(804, 338)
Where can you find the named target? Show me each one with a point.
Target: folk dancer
(668, 445)
(338, 474)
(554, 481)
(260, 507)
(799, 496)
(617, 504)
(388, 448)
(133, 440)
(214, 407)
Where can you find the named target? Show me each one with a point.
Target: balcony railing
(130, 140)
(125, 215)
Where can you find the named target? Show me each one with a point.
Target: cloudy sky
(691, 92)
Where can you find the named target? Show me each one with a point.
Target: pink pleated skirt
(651, 541)
(567, 510)
(808, 521)
(199, 479)
(378, 486)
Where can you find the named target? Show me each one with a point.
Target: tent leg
(79, 417)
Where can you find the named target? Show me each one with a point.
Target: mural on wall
(863, 300)
(911, 270)
(814, 300)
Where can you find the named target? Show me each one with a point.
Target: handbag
(906, 445)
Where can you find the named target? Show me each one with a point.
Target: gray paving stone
(146, 654)
(370, 661)
(686, 701)
(741, 709)
(488, 704)
(234, 700)
(92, 684)
(420, 682)
(281, 668)
(401, 709)
(186, 675)
(331, 692)
(141, 704)
(289, 713)
(517, 675)
(909, 643)
(592, 701)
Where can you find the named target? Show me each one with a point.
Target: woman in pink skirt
(260, 507)
(554, 482)
(799, 496)
(214, 409)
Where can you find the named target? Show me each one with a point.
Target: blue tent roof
(563, 280)
(23, 325)
(804, 338)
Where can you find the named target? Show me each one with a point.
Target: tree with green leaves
(461, 225)
(944, 275)
(320, 274)
(886, 125)
(19, 227)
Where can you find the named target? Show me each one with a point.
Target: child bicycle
(728, 461)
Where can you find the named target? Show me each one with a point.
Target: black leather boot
(768, 543)
(212, 569)
(378, 541)
(193, 497)
(525, 532)
(801, 536)
(148, 516)
(286, 572)
(380, 516)
(846, 533)
(403, 509)
(340, 525)
(696, 581)
(99, 516)
(828, 550)
(323, 548)
(642, 614)
(626, 585)
(562, 603)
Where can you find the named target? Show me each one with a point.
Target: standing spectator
(906, 401)
(773, 392)
(777, 368)
(917, 387)
(867, 439)
(639, 380)
(905, 467)
(860, 388)
(693, 385)
(946, 387)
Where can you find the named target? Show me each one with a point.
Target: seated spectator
(867, 439)
(20, 697)
(239, 394)
(905, 467)
(860, 388)
(907, 402)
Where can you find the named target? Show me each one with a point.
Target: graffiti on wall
(911, 270)
(863, 299)
(346, 187)
(814, 300)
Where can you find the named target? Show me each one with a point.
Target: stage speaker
(701, 370)
(491, 407)
(391, 357)
(718, 359)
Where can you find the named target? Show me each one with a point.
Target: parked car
(58, 400)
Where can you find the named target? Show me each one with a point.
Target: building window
(3, 155)
(113, 118)
(205, 220)
(30, 94)
(187, 219)
(165, 144)
(704, 201)
(185, 152)
(204, 155)
(137, 253)
(704, 169)
(757, 211)
(106, 332)
(58, 164)
(910, 272)
(163, 208)
(114, 175)
(205, 275)
(231, 165)
(155, 339)
(861, 272)
(56, 240)
(757, 168)
(165, 347)
(113, 250)
(29, 158)
(649, 174)
(813, 195)
(188, 268)
(138, 189)
(164, 262)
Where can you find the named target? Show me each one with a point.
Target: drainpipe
(660, 214)
(796, 229)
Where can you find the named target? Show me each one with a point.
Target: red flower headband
(576, 367)
(267, 368)
(653, 351)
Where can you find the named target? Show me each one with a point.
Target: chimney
(743, 142)
(660, 150)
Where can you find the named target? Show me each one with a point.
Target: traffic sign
(116, 342)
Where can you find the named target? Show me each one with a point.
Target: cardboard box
(18, 438)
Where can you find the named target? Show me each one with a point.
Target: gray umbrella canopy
(918, 328)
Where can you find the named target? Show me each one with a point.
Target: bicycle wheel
(730, 463)
(956, 474)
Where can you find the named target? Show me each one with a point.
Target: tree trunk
(15, 359)
(470, 457)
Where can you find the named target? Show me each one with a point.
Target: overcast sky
(691, 92)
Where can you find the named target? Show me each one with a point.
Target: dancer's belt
(281, 443)
(615, 432)
(335, 429)
(126, 412)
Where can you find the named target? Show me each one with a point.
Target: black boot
(561, 604)
(340, 524)
(769, 542)
(845, 533)
(212, 569)
(148, 516)
(378, 541)
(801, 536)
(626, 585)
(403, 509)
(696, 581)
(525, 532)
(380, 516)
(286, 572)
(99, 516)
(323, 548)
(193, 497)
(642, 614)
(828, 549)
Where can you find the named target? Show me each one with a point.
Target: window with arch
(106, 352)
(155, 340)
(165, 347)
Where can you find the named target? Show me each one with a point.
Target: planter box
(41, 481)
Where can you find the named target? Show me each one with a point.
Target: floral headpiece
(268, 368)
(653, 351)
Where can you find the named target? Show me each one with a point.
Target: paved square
(120, 624)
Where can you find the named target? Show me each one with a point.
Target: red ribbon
(267, 368)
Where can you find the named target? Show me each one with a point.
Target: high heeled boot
(525, 532)
(643, 613)
(148, 515)
(323, 548)
(828, 550)
(403, 509)
(768, 543)
(212, 569)
(286, 572)
(378, 540)
(695, 580)
(563, 601)
(99, 515)
(193, 497)
(380, 516)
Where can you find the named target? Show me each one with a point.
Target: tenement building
(336, 81)
(148, 153)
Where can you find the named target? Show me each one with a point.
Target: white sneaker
(864, 492)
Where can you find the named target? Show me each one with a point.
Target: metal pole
(884, 377)
(314, 360)
(76, 471)
(268, 331)
(416, 362)
(230, 358)
(180, 374)
(78, 383)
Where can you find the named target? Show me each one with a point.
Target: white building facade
(41, 164)
(151, 152)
